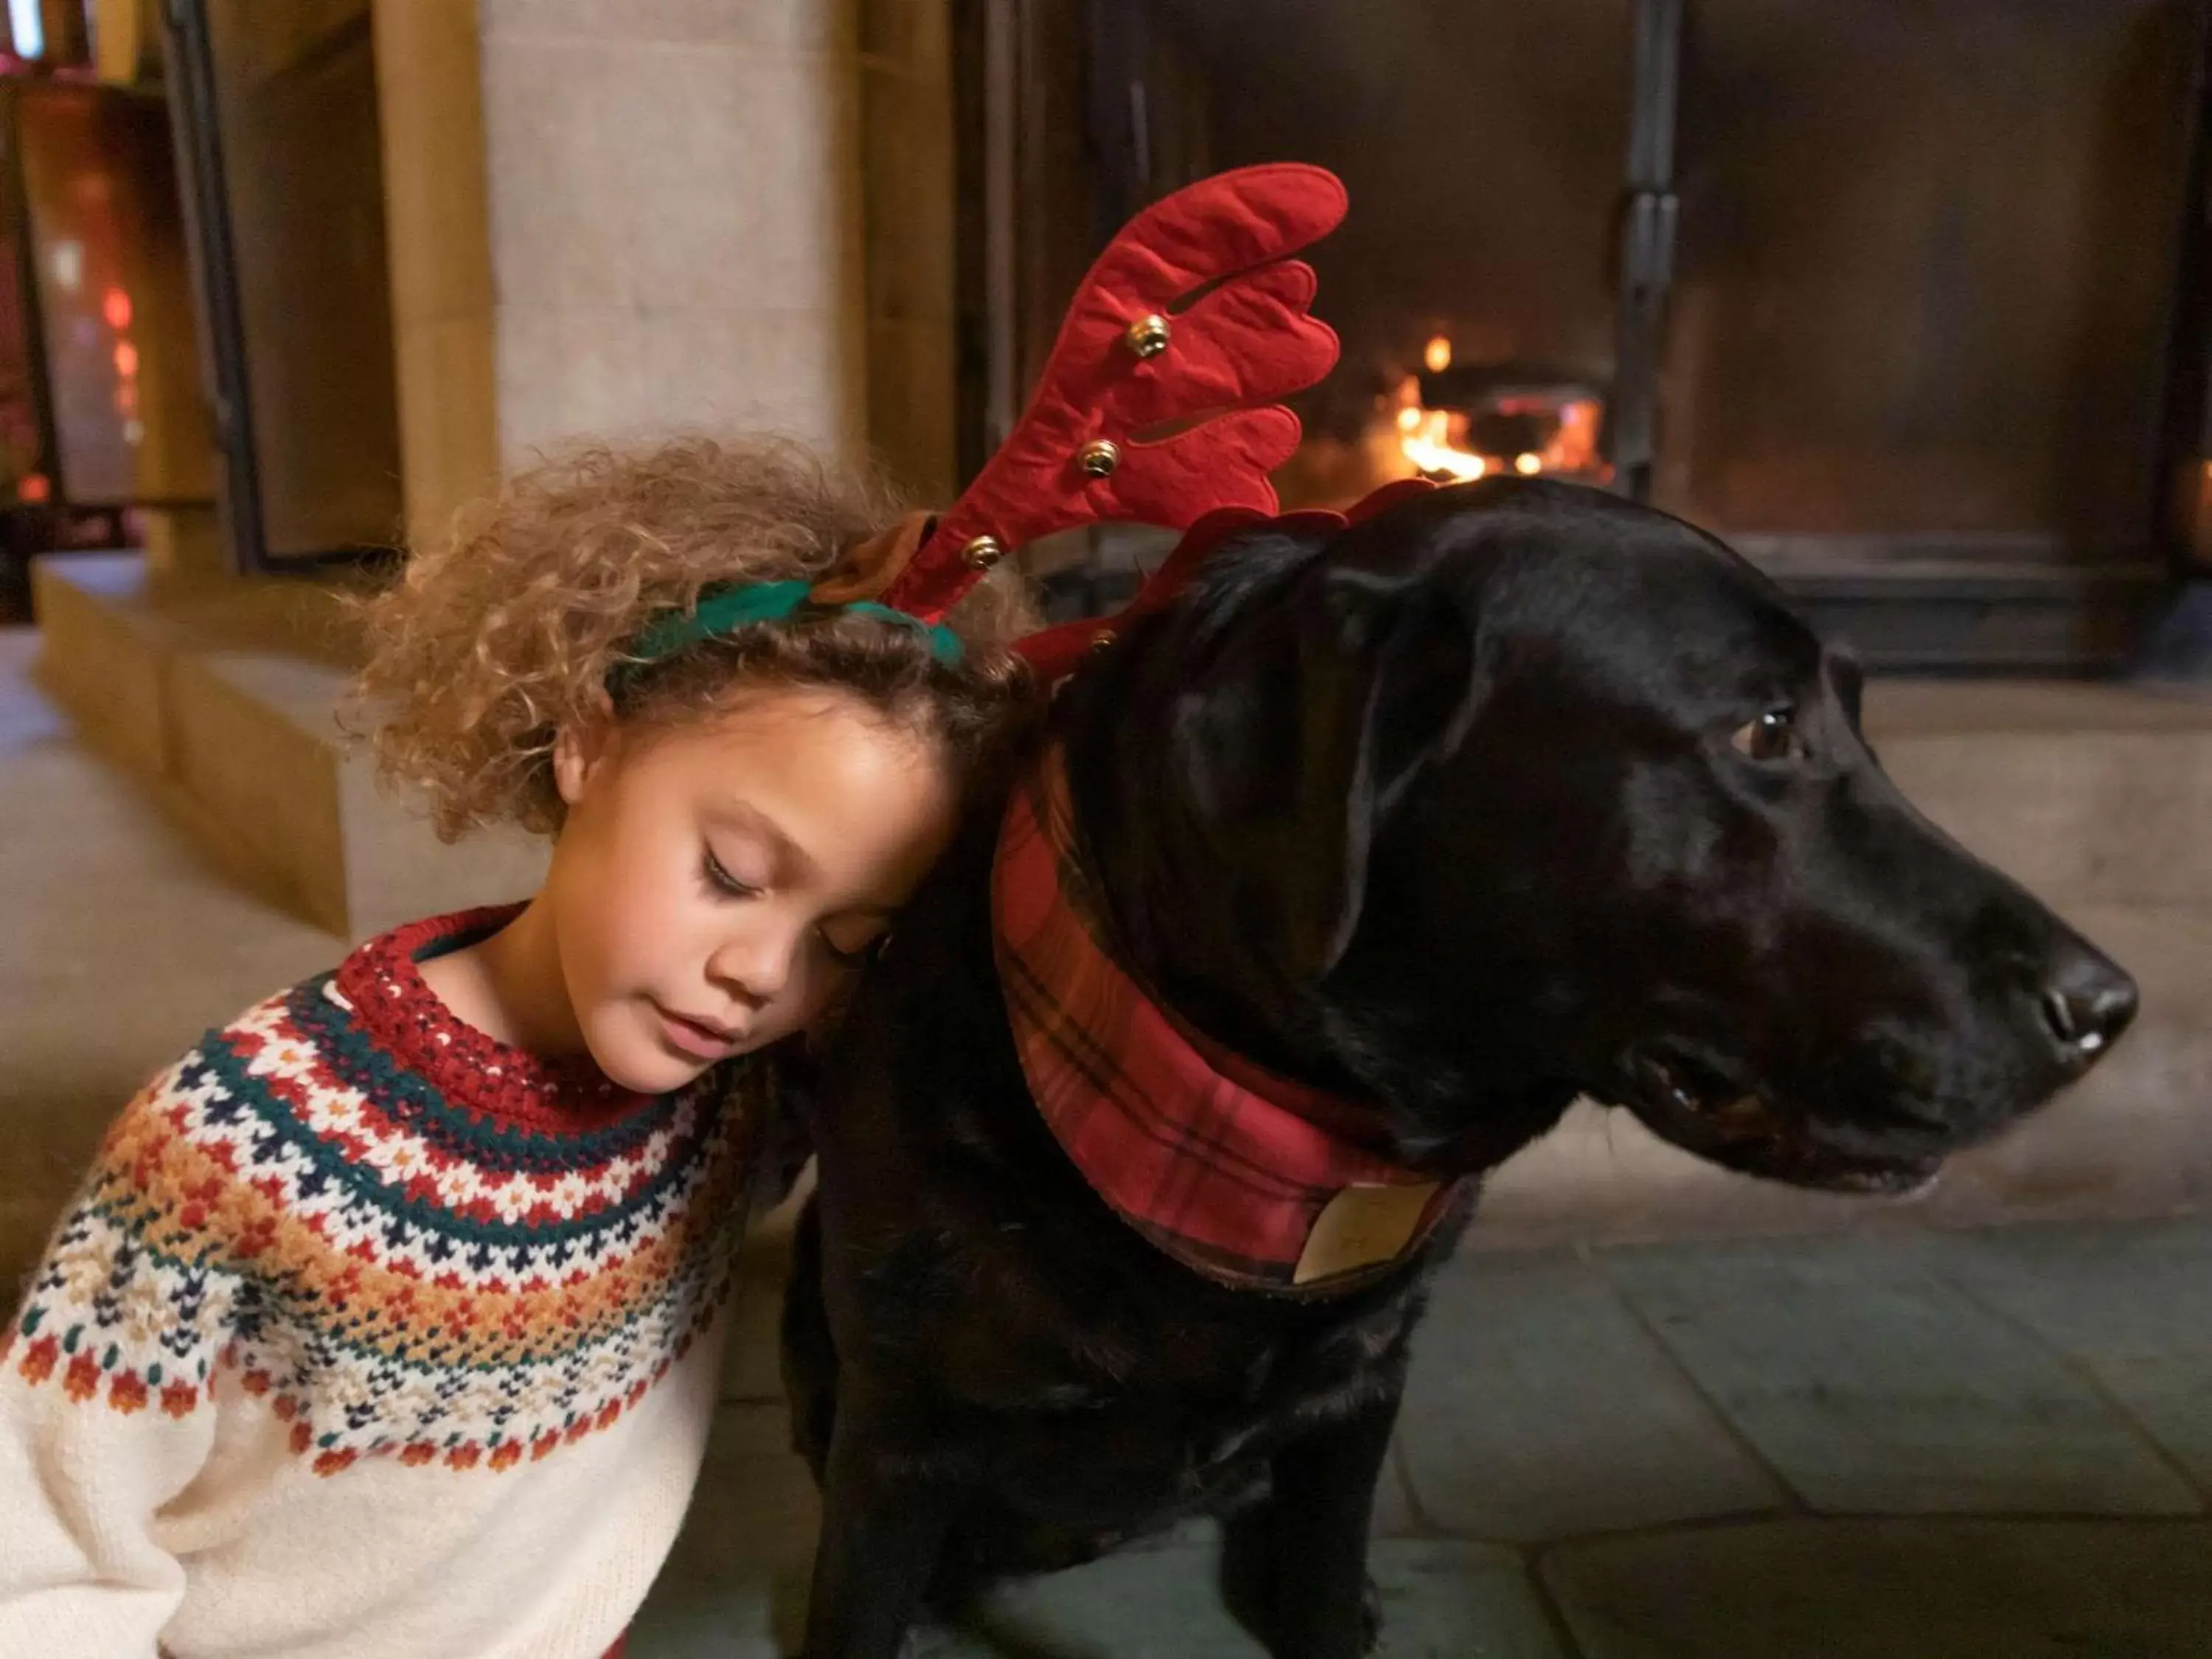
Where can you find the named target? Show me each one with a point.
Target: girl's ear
(578, 752)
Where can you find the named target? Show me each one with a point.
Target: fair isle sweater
(368, 1336)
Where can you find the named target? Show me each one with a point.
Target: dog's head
(1519, 781)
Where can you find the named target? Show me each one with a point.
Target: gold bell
(1103, 639)
(1099, 457)
(983, 552)
(1148, 336)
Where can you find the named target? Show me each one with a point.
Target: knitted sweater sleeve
(106, 1411)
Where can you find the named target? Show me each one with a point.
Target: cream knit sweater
(367, 1339)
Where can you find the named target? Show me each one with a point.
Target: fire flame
(1424, 438)
(1433, 440)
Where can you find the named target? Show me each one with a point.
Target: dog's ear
(1304, 735)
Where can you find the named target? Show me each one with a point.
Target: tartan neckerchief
(1254, 1182)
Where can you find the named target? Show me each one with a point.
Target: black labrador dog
(1512, 792)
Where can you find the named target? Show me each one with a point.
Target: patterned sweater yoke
(353, 1264)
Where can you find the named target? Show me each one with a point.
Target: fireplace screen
(1898, 287)
(1926, 255)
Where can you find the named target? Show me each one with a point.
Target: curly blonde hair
(489, 647)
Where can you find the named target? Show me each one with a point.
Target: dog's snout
(2087, 1002)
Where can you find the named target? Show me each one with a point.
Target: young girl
(387, 1322)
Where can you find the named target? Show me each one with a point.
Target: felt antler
(1128, 362)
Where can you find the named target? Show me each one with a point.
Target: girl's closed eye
(719, 880)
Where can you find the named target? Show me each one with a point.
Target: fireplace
(1907, 299)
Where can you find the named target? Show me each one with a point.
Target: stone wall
(607, 219)
(675, 216)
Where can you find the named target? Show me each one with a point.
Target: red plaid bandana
(1251, 1180)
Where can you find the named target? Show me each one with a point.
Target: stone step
(225, 697)
(2084, 794)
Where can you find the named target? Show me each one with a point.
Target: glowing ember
(1427, 444)
(1424, 435)
(1434, 443)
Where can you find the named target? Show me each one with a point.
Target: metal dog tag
(1363, 1227)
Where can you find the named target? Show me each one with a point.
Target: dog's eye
(1773, 737)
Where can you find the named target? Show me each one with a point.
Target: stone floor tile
(1539, 1408)
(1395, 1514)
(1874, 1386)
(1891, 1590)
(1440, 1601)
(2132, 1304)
(2169, 1395)
(2090, 1287)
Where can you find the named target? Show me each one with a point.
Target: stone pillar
(907, 189)
(608, 220)
(675, 218)
(436, 212)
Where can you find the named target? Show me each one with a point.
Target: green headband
(721, 610)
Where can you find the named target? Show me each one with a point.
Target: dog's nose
(2087, 1002)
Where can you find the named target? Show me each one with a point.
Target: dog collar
(1253, 1180)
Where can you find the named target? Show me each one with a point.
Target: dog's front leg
(1322, 1505)
(884, 1527)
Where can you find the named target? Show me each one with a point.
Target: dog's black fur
(1494, 800)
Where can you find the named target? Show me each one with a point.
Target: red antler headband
(1195, 312)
